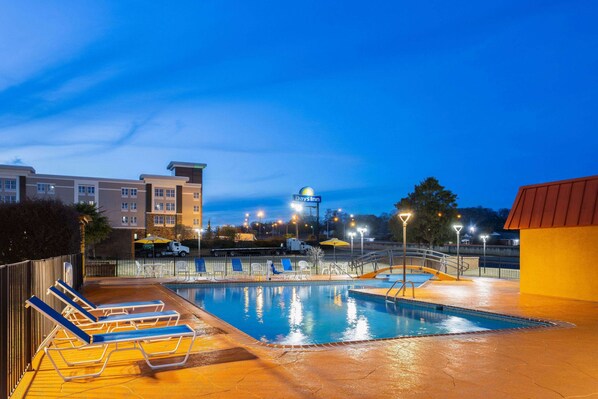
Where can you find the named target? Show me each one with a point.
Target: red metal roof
(565, 203)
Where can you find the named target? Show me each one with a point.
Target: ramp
(438, 274)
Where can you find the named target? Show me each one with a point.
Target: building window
(158, 220)
(195, 208)
(159, 206)
(196, 196)
(170, 206)
(91, 202)
(10, 199)
(0, 184)
(10, 185)
(81, 189)
(133, 220)
(133, 207)
(159, 192)
(170, 220)
(91, 190)
(45, 188)
(124, 192)
(125, 220)
(195, 222)
(170, 193)
(124, 207)
(134, 193)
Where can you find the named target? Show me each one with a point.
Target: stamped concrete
(550, 363)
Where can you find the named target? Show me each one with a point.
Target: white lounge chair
(182, 266)
(108, 308)
(304, 269)
(139, 339)
(112, 322)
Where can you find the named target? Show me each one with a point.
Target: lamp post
(484, 239)
(361, 231)
(352, 235)
(260, 216)
(471, 231)
(404, 218)
(458, 228)
(198, 231)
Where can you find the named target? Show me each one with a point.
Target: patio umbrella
(153, 240)
(335, 242)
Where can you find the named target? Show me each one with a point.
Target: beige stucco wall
(560, 262)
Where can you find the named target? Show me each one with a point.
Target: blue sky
(360, 101)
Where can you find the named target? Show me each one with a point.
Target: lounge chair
(181, 266)
(273, 269)
(287, 268)
(200, 268)
(304, 269)
(109, 308)
(257, 269)
(237, 265)
(138, 338)
(112, 322)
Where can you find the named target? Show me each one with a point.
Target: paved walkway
(543, 363)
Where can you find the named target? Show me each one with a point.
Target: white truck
(295, 245)
(171, 248)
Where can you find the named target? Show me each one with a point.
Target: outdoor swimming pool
(297, 313)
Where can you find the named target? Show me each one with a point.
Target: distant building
(558, 225)
(169, 206)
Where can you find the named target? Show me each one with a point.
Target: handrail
(440, 260)
(403, 286)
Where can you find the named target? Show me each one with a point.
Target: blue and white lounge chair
(112, 322)
(274, 271)
(237, 265)
(139, 338)
(287, 268)
(200, 268)
(109, 308)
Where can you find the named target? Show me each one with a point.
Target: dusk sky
(359, 100)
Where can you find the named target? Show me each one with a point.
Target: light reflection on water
(308, 314)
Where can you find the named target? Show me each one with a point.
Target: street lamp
(471, 231)
(352, 236)
(295, 218)
(198, 231)
(458, 228)
(484, 239)
(260, 215)
(362, 230)
(404, 218)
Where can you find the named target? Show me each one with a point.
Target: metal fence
(21, 329)
(122, 267)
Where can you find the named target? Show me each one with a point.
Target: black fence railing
(22, 330)
(170, 266)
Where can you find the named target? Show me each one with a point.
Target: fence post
(4, 331)
(28, 315)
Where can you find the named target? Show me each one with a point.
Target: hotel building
(169, 206)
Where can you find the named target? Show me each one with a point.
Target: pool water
(318, 313)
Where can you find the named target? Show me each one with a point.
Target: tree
(434, 210)
(230, 232)
(98, 229)
(484, 220)
(37, 229)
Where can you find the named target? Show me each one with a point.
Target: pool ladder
(402, 288)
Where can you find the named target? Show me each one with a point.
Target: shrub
(37, 229)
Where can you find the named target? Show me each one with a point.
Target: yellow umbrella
(153, 240)
(335, 242)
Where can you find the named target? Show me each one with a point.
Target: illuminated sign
(307, 198)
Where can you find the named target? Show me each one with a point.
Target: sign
(307, 198)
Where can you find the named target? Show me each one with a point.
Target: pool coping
(541, 323)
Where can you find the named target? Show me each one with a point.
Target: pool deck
(544, 363)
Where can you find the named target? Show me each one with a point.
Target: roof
(566, 203)
(194, 165)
